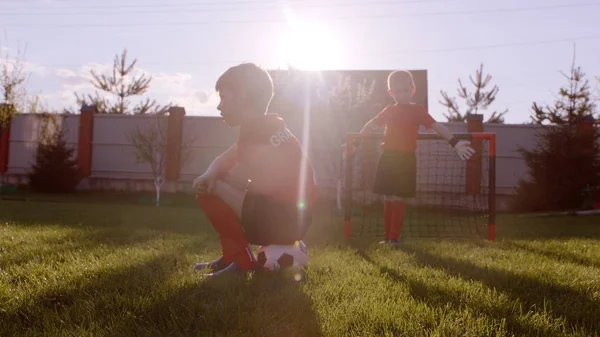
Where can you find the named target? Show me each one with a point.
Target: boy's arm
(224, 162)
(462, 148)
(444, 133)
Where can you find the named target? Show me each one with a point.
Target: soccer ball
(278, 257)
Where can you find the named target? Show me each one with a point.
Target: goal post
(454, 198)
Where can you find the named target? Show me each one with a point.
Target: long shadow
(578, 309)
(160, 219)
(107, 225)
(53, 249)
(90, 302)
(145, 299)
(559, 256)
(439, 298)
(266, 304)
(554, 227)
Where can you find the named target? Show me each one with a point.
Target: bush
(55, 169)
(562, 174)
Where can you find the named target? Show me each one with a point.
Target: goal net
(455, 198)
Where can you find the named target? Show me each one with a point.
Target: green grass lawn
(104, 266)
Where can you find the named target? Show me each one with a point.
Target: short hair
(399, 75)
(251, 79)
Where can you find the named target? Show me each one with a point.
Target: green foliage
(566, 160)
(560, 169)
(7, 111)
(55, 170)
(475, 101)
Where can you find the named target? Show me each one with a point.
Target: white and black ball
(280, 257)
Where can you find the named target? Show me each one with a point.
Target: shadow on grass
(437, 297)
(511, 226)
(264, 304)
(57, 249)
(563, 255)
(179, 199)
(577, 308)
(89, 302)
(159, 297)
(165, 219)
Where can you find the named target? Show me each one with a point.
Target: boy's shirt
(402, 123)
(275, 160)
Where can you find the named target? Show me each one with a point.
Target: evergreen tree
(475, 101)
(565, 165)
(121, 84)
(55, 169)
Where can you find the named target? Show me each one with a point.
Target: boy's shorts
(396, 174)
(268, 222)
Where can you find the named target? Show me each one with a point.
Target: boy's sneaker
(215, 265)
(394, 243)
(231, 269)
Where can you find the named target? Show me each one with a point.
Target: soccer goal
(455, 198)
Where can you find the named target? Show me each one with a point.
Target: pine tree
(478, 100)
(55, 169)
(123, 86)
(565, 165)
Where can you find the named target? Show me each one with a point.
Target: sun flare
(309, 46)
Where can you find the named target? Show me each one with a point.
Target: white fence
(113, 161)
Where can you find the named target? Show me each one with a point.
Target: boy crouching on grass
(261, 190)
(396, 175)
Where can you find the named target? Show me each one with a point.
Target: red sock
(387, 217)
(233, 241)
(398, 214)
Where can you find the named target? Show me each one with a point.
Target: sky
(185, 45)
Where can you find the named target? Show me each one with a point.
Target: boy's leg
(387, 217)
(398, 213)
(384, 184)
(405, 186)
(223, 208)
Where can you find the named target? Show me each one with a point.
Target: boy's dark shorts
(396, 174)
(268, 222)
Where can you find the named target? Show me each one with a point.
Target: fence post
(474, 172)
(5, 137)
(585, 128)
(86, 139)
(174, 142)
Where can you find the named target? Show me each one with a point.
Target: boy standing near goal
(261, 190)
(396, 175)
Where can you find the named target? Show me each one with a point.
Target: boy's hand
(464, 150)
(204, 183)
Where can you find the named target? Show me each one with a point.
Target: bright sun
(309, 46)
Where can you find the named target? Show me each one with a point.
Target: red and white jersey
(276, 163)
(402, 123)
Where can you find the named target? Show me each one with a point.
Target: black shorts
(396, 174)
(267, 222)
